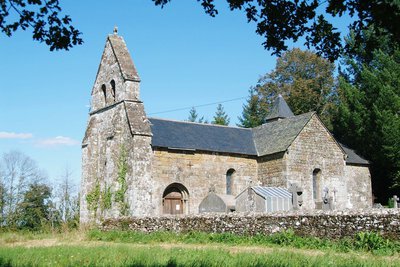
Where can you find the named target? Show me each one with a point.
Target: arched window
(103, 89)
(229, 181)
(113, 89)
(317, 185)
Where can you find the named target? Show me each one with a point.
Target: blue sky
(184, 58)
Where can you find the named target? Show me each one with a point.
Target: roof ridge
(200, 123)
(284, 119)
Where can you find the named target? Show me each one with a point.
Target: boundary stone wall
(329, 224)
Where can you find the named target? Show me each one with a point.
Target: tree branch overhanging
(45, 20)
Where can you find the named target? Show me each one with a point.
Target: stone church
(133, 165)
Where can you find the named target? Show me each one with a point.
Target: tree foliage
(281, 21)
(43, 18)
(304, 79)
(34, 210)
(27, 200)
(194, 116)
(17, 172)
(368, 116)
(252, 115)
(220, 117)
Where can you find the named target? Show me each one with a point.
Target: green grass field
(118, 248)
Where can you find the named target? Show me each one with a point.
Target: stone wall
(198, 172)
(314, 148)
(270, 170)
(328, 224)
(359, 186)
(105, 134)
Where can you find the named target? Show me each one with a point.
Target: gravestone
(327, 201)
(396, 199)
(297, 196)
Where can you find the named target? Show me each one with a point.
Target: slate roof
(199, 136)
(276, 136)
(124, 59)
(280, 109)
(352, 157)
(267, 139)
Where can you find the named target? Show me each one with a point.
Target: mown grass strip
(131, 255)
(371, 242)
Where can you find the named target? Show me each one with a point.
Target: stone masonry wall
(324, 224)
(359, 186)
(314, 148)
(198, 171)
(270, 170)
(100, 153)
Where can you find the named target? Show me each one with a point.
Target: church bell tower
(116, 148)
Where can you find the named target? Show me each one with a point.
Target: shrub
(370, 241)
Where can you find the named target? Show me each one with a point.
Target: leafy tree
(281, 21)
(43, 18)
(305, 80)
(368, 116)
(221, 118)
(252, 115)
(17, 172)
(193, 116)
(34, 209)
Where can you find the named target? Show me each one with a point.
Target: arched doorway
(175, 199)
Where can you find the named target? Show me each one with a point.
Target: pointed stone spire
(279, 110)
(117, 79)
(123, 57)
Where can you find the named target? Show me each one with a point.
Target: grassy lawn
(95, 248)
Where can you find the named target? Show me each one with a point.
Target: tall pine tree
(252, 115)
(220, 118)
(193, 116)
(368, 117)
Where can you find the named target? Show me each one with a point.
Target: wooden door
(173, 203)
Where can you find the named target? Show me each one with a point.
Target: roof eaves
(206, 150)
(354, 159)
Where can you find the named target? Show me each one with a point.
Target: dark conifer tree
(220, 118)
